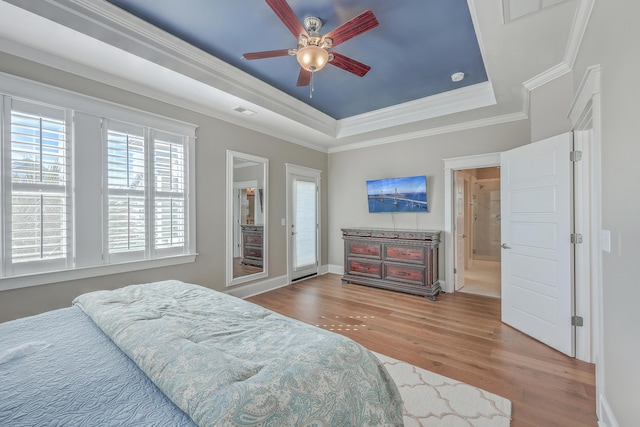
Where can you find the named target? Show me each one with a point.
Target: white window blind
(169, 198)
(146, 201)
(126, 195)
(39, 216)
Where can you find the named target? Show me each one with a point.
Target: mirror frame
(231, 156)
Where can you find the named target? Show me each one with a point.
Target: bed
(176, 354)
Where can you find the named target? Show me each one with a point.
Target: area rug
(431, 399)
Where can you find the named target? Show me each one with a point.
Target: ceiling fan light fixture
(312, 58)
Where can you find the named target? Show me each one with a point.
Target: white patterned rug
(431, 399)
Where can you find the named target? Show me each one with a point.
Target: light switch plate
(606, 241)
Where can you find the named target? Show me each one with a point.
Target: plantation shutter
(38, 197)
(169, 157)
(126, 225)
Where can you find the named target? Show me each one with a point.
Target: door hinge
(455, 270)
(577, 321)
(576, 238)
(575, 156)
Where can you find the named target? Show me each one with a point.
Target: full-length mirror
(247, 196)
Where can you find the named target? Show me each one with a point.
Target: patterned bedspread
(59, 369)
(227, 362)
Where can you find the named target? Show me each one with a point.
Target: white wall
(349, 171)
(611, 40)
(548, 108)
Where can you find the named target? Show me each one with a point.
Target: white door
(303, 223)
(537, 262)
(460, 231)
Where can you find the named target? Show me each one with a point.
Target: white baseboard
(263, 286)
(608, 419)
(336, 269)
(258, 287)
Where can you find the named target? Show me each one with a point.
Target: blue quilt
(227, 362)
(60, 369)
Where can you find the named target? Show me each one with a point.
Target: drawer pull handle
(403, 273)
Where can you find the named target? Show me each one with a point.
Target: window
(169, 198)
(146, 203)
(37, 215)
(84, 188)
(126, 196)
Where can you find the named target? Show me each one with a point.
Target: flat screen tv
(408, 194)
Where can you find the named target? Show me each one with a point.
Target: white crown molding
(589, 86)
(578, 28)
(547, 76)
(495, 120)
(580, 21)
(455, 101)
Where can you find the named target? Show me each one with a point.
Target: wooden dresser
(252, 244)
(400, 260)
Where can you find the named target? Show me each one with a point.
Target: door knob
(505, 246)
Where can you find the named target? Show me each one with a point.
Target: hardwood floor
(459, 336)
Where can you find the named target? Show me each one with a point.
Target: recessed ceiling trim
(455, 101)
(490, 121)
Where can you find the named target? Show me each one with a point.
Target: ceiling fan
(312, 52)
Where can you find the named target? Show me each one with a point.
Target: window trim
(36, 92)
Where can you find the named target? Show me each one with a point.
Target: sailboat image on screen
(407, 194)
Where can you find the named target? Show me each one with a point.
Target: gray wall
(214, 137)
(612, 40)
(349, 171)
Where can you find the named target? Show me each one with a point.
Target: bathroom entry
(479, 222)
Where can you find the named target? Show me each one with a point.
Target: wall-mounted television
(407, 194)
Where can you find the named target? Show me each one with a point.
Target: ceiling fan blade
(350, 65)
(266, 54)
(356, 26)
(286, 15)
(304, 78)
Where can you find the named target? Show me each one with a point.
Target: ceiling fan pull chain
(311, 88)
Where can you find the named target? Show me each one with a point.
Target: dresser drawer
(364, 268)
(251, 252)
(364, 249)
(253, 239)
(404, 253)
(405, 274)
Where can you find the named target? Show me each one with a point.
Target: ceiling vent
(244, 111)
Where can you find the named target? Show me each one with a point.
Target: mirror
(247, 195)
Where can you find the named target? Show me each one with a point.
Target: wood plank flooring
(459, 336)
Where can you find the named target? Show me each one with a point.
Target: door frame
(451, 165)
(585, 115)
(290, 170)
(583, 270)
(460, 178)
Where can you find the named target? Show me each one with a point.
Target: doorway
(478, 231)
(303, 222)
